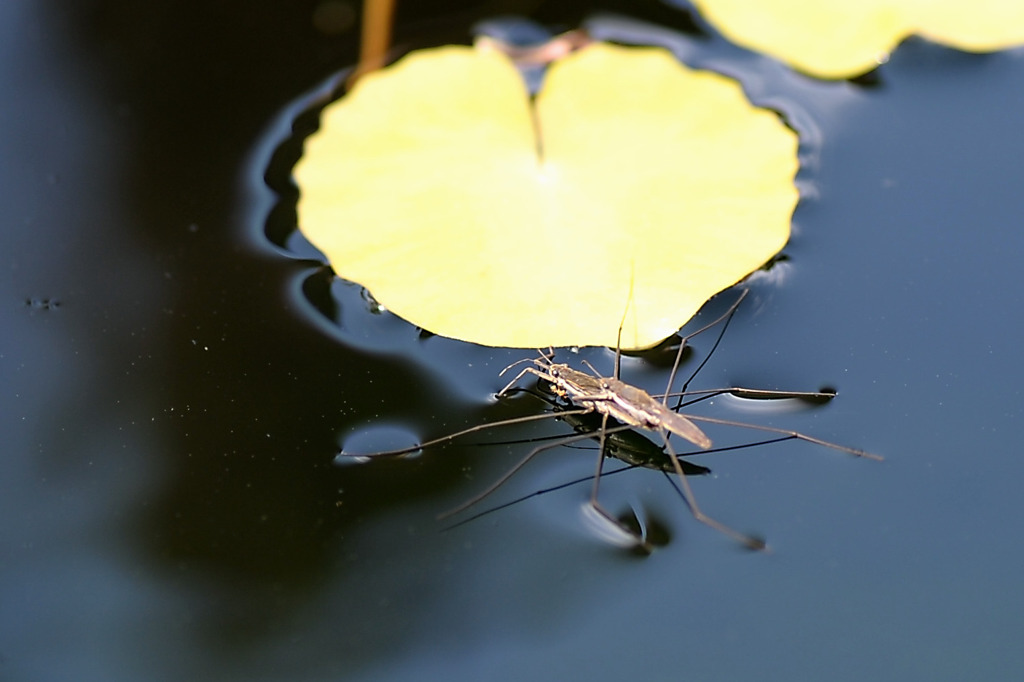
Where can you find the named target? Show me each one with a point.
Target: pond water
(174, 387)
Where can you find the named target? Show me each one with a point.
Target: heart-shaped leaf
(632, 185)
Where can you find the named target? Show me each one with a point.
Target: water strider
(632, 408)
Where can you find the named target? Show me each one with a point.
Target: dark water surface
(171, 400)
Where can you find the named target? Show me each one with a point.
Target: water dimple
(769, 404)
(360, 445)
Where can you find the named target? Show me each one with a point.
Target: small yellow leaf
(633, 184)
(841, 39)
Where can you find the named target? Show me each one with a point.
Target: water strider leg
(792, 434)
(727, 318)
(596, 504)
(465, 432)
(515, 468)
(691, 501)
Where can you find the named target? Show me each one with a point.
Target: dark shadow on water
(252, 396)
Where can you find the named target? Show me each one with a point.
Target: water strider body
(614, 398)
(633, 408)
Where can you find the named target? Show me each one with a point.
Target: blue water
(170, 503)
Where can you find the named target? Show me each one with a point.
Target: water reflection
(169, 499)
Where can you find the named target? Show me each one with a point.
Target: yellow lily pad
(842, 39)
(632, 183)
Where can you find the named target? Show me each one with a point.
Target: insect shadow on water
(583, 395)
(622, 443)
